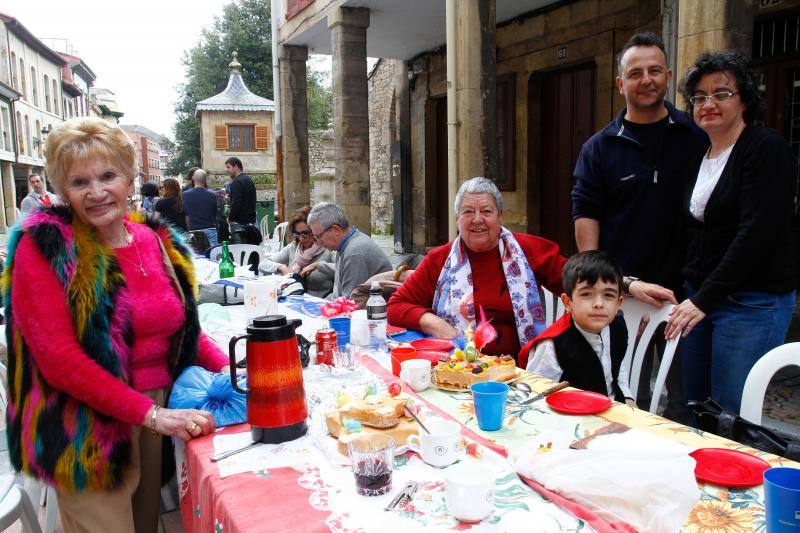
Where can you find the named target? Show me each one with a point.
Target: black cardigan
(745, 242)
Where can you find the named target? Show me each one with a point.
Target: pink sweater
(40, 309)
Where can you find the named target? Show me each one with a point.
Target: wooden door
(567, 121)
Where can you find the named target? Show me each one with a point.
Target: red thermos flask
(276, 402)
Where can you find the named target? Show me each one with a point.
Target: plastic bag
(652, 490)
(197, 388)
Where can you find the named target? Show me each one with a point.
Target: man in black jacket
(243, 195)
(629, 188)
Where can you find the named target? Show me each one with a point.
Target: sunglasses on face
(298, 234)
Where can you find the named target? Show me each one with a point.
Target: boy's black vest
(580, 364)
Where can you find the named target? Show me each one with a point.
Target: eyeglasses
(319, 237)
(304, 233)
(700, 100)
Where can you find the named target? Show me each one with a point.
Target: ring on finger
(194, 427)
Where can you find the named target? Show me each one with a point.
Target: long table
(320, 495)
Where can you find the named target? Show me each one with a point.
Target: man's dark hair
(190, 174)
(589, 267)
(646, 38)
(736, 65)
(234, 162)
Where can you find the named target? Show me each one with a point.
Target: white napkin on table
(652, 489)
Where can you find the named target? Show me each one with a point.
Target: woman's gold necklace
(140, 266)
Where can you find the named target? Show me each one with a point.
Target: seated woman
(304, 256)
(486, 266)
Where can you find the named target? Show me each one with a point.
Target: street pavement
(781, 403)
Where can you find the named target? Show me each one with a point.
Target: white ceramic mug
(469, 491)
(416, 373)
(440, 447)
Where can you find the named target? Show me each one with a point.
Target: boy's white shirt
(545, 363)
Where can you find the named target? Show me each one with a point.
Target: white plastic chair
(16, 505)
(241, 253)
(276, 241)
(633, 311)
(755, 386)
(553, 307)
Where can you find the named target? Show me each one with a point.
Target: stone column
(712, 25)
(350, 116)
(475, 88)
(294, 114)
(9, 192)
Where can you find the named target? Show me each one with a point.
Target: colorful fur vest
(52, 436)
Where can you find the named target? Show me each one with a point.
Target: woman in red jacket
(487, 267)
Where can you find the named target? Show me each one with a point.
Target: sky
(133, 47)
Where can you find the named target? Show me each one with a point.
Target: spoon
(523, 387)
(411, 413)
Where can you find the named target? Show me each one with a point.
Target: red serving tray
(578, 402)
(729, 468)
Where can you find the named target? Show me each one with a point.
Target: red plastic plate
(578, 402)
(729, 468)
(439, 345)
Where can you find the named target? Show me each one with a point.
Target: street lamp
(45, 132)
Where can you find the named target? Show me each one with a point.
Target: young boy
(586, 346)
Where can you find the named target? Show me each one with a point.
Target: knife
(223, 455)
(551, 390)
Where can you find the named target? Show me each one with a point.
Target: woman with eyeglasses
(740, 267)
(304, 256)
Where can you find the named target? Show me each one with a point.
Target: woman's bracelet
(154, 419)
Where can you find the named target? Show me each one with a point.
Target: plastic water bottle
(376, 317)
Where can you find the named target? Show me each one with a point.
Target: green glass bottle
(226, 266)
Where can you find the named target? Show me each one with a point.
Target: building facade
(237, 123)
(148, 151)
(103, 104)
(33, 70)
(528, 82)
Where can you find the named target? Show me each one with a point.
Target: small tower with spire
(237, 123)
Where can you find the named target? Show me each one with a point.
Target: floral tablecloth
(320, 495)
(720, 509)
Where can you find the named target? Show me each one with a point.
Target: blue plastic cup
(490, 400)
(782, 499)
(342, 327)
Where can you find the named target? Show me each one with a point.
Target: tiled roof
(235, 97)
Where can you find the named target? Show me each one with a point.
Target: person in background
(304, 256)
(740, 268)
(93, 350)
(242, 195)
(358, 257)
(586, 346)
(149, 192)
(200, 206)
(629, 181)
(190, 179)
(487, 267)
(38, 196)
(170, 206)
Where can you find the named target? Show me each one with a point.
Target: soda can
(326, 344)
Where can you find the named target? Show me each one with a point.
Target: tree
(243, 27)
(320, 100)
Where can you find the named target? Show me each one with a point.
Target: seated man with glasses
(304, 256)
(358, 256)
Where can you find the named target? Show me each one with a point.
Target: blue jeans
(719, 352)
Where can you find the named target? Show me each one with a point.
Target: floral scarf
(453, 299)
(303, 258)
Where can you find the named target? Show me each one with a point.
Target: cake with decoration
(467, 365)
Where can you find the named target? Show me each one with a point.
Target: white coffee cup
(469, 491)
(440, 447)
(416, 373)
(359, 328)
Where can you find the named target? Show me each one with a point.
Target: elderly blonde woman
(93, 349)
(486, 266)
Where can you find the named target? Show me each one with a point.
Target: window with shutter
(504, 139)
(241, 138)
(293, 7)
(220, 137)
(262, 138)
